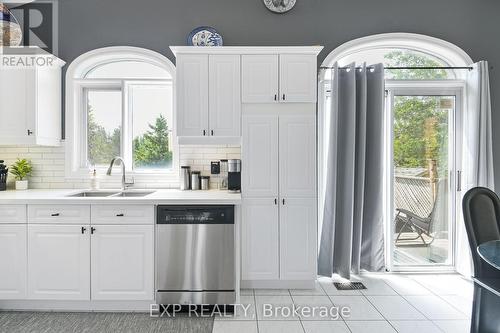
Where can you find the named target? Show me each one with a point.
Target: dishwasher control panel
(195, 214)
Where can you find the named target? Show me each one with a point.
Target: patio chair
(408, 220)
(415, 223)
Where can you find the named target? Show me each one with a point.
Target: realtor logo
(38, 21)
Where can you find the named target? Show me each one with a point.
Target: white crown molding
(314, 50)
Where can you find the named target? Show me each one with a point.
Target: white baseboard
(277, 284)
(83, 306)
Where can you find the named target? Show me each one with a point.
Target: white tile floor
(392, 303)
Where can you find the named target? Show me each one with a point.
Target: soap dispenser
(94, 181)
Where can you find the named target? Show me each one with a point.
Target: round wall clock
(279, 6)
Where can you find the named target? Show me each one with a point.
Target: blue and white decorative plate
(204, 36)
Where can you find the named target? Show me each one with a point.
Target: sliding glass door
(422, 151)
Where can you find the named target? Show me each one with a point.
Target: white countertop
(159, 197)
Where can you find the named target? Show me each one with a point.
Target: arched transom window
(120, 102)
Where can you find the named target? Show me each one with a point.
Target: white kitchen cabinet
(31, 102)
(260, 239)
(208, 96)
(12, 214)
(284, 78)
(298, 78)
(123, 214)
(64, 214)
(13, 261)
(260, 149)
(59, 262)
(297, 155)
(224, 116)
(279, 162)
(192, 95)
(122, 262)
(298, 238)
(259, 78)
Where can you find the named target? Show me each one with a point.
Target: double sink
(111, 194)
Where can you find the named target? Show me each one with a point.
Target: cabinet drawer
(67, 214)
(12, 214)
(122, 214)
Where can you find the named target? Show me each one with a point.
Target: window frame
(76, 109)
(444, 87)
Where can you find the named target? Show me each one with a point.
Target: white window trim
(75, 86)
(432, 88)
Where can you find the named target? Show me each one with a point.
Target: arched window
(422, 132)
(120, 102)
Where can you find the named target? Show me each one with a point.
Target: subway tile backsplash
(49, 163)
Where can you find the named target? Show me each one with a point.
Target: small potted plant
(21, 169)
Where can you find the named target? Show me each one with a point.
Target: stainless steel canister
(205, 182)
(195, 180)
(185, 177)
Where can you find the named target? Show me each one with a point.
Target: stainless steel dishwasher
(195, 255)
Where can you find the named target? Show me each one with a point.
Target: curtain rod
(402, 68)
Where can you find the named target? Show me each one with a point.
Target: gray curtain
(352, 229)
(477, 149)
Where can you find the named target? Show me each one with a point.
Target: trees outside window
(420, 122)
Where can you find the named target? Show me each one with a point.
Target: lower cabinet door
(298, 239)
(259, 239)
(122, 262)
(58, 261)
(13, 260)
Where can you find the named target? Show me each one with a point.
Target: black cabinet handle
(283, 201)
(55, 214)
(212, 132)
(283, 96)
(120, 215)
(30, 132)
(83, 230)
(204, 132)
(275, 201)
(275, 97)
(92, 230)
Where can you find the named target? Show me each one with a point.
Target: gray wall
(473, 25)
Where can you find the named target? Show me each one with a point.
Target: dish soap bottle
(94, 181)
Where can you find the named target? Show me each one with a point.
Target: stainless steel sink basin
(133, 194)
(93, 194)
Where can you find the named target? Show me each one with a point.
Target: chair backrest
(481, 208)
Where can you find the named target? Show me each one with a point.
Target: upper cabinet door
(225, 97)
(298, 80)
(259, 78)
(297, 140)
(59, 261)
(259, 173)
(192, 95)
(122, 262)
(17, 93)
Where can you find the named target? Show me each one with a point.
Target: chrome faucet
(110, 169)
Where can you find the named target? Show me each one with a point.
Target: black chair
(481, 208)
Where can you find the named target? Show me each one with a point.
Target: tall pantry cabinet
(279, 211)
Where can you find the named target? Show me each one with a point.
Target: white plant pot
(21, 185)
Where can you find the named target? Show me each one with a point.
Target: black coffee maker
(234, 175)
